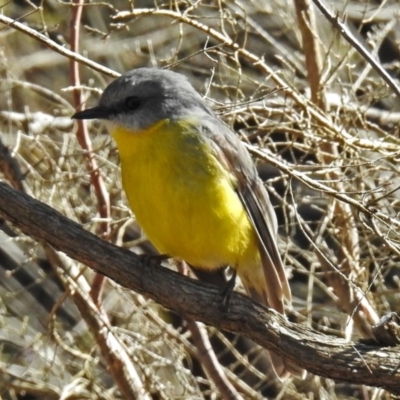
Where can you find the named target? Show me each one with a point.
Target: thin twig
(320, 187)
(207, 356)
(346, 33)
(82, 135)
(56, 47)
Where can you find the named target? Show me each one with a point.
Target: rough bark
(320, 354)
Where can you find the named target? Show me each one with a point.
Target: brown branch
(320, 354)
(207, 356)
(210, 362)
(119, 364)
(82, 135)
(306, 18)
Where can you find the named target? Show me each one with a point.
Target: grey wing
(234, 156)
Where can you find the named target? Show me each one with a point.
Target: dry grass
(325, 119)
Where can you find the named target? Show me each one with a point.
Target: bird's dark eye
(132, 103)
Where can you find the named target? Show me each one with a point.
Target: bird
(192, 184)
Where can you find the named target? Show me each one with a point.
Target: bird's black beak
(97, 112)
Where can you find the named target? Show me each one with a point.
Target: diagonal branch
(366, 54)
(320, 354)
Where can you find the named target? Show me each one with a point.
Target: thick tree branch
(320, 354)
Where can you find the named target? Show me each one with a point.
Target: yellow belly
(182, 197)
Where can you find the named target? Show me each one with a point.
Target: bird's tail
(258, 288)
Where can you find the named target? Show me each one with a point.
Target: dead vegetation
(320, 118)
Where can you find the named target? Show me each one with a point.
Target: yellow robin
(192, 185)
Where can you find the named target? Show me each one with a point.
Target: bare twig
(118, 361)
(82, 134)
(349, 251)
(210, 362)
(311, 48)
(346, 33)
(207, 355)
(56, 47)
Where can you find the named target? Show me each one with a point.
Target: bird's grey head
(144, 96)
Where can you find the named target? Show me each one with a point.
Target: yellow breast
(182, 197)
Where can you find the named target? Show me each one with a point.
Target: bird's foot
(153, 258)
(226, 293)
